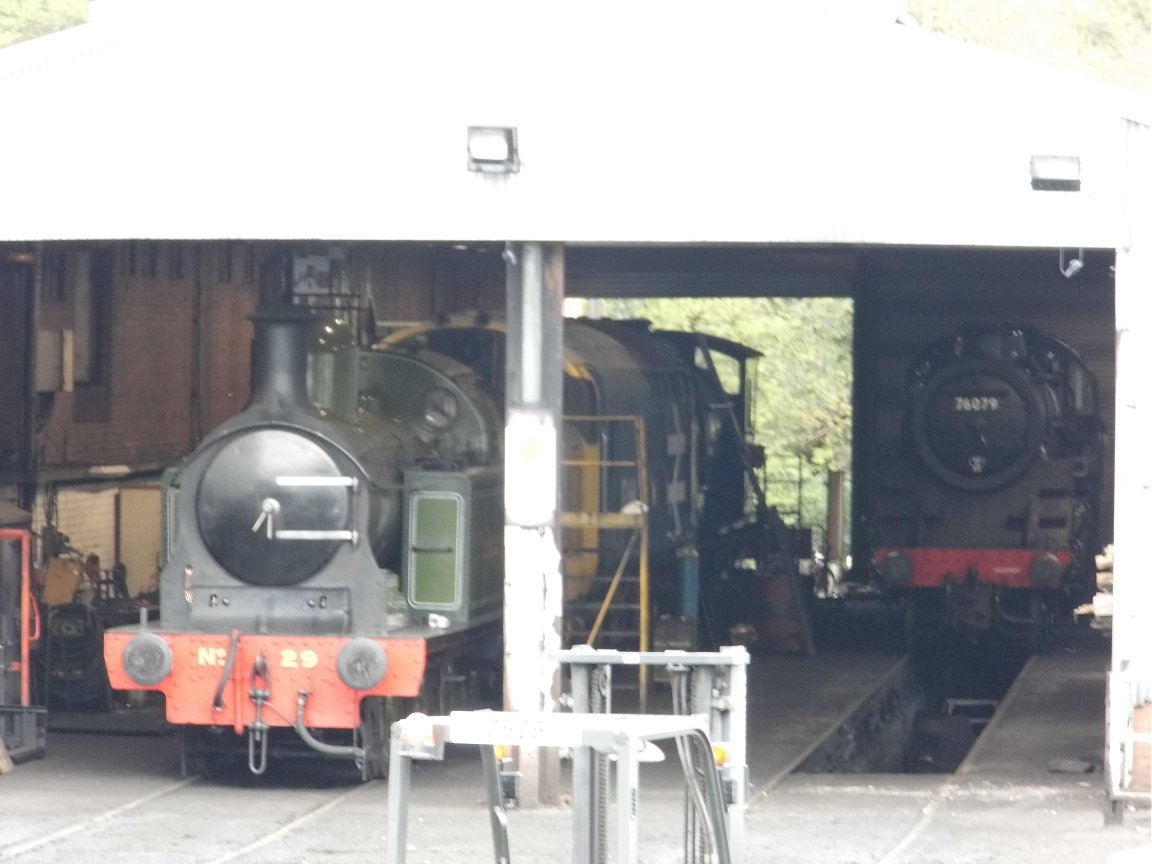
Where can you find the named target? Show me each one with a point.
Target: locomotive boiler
(983, 517)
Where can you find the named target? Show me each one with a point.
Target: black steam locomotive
(337, 547)
(984, 519)
(661, 421)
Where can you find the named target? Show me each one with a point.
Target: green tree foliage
(21, 20)
(1106, 39)
(803, 416)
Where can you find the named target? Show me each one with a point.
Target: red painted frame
(294, 663)
(933, 567)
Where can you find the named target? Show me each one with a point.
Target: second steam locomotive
(338, 545)
(984, 518)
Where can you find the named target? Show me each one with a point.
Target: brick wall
(227, 336)
(410, 284)
(162, 397)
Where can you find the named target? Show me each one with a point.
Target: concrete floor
(118, 797)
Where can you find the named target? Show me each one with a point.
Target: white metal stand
(712, 685)
(620, 735)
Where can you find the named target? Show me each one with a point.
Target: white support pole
(533, 590)
(1132, 596)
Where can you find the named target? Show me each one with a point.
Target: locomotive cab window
(727, 369)
(434, 551)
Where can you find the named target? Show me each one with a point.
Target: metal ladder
(631, 615)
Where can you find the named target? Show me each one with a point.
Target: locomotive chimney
(280, 360)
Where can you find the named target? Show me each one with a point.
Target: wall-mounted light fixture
(1056, 173)
(492, 149)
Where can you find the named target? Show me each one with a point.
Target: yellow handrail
(637, 521)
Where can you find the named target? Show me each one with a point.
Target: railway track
(907, 819)
(120, 827)
(89, 824)
(117, 808)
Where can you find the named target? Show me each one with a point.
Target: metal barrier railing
(708, 730)
(619, 736)
(711, 684)
(22, 724)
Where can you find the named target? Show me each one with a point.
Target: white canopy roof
(637, 122)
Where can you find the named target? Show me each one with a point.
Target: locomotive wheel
(190, 761)
(925, 620)
(927, 636)
(195, 755)
(376, 718)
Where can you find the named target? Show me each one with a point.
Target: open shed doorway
(803, 402)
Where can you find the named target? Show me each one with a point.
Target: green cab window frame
(434, 550)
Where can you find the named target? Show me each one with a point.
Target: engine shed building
(157, 166)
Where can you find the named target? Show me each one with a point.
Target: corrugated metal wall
(908, 298)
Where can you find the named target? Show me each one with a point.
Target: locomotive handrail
(602, 463)
(301, 480)
(606, 418)
(749, 468)
(305, 534)
(581, 519)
